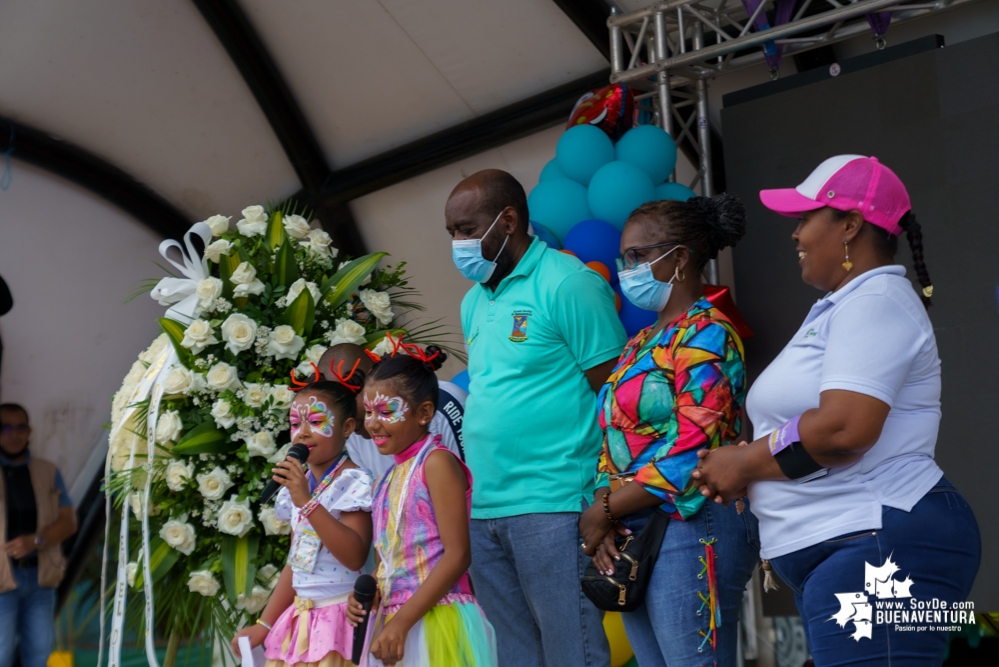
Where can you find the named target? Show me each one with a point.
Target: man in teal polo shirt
(542, 336)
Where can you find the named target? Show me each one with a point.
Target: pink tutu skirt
(328, 642)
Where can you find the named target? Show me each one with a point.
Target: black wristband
(797, 464)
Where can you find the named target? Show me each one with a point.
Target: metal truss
(671, 49)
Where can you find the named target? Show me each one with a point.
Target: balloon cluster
(591, 187)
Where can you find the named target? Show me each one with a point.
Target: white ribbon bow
(182, 292)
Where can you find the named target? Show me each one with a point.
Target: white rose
(245, 280)
(219, 224)
(280, 455)
(296, 226)
(168, 427)
(347, 331)
(268, 575)
(235, 517)
(222, 376)
(299, 285)
(214, 484)
(272, 525)
(284, 343)
(198, 335)
(179, 380)
(207, 291)
(238, 332)
(254, 222)
(378, 304)
(130, 571)
(281, 397)
(315, 353)
(215, 250)
(177, 475)
(179, 534)
(256, 601)
(222, 413)
(203, 582)
(318, 243)
(384, 347)
(261, 444)
(255, 394)
(135, 502)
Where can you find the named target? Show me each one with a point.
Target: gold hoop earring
(846, 250)
(678, 275)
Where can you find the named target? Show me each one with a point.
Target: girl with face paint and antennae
(329, 508)
(427, 615)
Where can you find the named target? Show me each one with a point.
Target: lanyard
(329, 471)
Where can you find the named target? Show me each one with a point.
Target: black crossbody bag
(625, 589)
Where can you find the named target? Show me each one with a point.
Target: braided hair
(414, 379)
(706, 225)
(886, 244)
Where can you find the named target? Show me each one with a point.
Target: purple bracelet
(785, 436)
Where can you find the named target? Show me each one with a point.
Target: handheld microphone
(364, 592)
(298, 452)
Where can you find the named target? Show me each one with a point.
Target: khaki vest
(51, 564)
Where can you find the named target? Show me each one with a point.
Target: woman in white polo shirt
(855, 515)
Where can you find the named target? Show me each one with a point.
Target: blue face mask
(642, 289)
(467, 256)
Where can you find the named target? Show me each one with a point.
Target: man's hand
(20, 547)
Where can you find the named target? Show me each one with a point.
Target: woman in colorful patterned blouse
(678, 388)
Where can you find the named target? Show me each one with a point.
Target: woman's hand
(256, 633)
(593, 526)
(291, 475)
(607, 551)
(355, 612)
(390, 643)
(721, 473)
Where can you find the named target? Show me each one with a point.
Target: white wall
(70, 260)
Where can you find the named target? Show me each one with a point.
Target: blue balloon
(617, 189)
(595, 241)
(546, 235)
(632, 317)
(648, 147)
(551, 170)
(558, 204)
(461, 379)
(676, 191)
(582, 150)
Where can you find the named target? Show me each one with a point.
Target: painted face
(315, 413)
(391, 410)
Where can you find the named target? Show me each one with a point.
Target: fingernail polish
(627, 531)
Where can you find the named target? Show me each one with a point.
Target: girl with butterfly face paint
(329, 509)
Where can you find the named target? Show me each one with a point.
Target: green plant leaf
(175, 332)
(275, 230)
(227, 265)
(285, 269)
(301, 314)
(345, 282)
(238, 564)
(161, 558)
(205, 438)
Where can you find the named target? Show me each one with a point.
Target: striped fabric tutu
(450, 635)
(311, 634)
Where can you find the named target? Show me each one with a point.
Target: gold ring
(583, 545)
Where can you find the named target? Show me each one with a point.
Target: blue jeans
(526, 571)
(27, 616)
(936, 545)
(666, 629)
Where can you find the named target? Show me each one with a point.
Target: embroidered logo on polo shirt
(519, 334)
(811, 333)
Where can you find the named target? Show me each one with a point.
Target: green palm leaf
(238, 568)
(345, 282)
(175, 332)
(205, 438)
(301, 314)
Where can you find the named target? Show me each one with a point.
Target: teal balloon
(676, 191)
(551, 170)
(582, 150)
(558, 204)
(617, 189)
(650, 148)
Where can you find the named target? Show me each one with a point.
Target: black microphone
(364, 592)
(298, 452)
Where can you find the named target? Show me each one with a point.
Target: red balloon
(611, 108)
(617, 301)
(600, 268)
(569, 252)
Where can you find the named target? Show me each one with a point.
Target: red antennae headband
(298, 386)
(338, 374)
